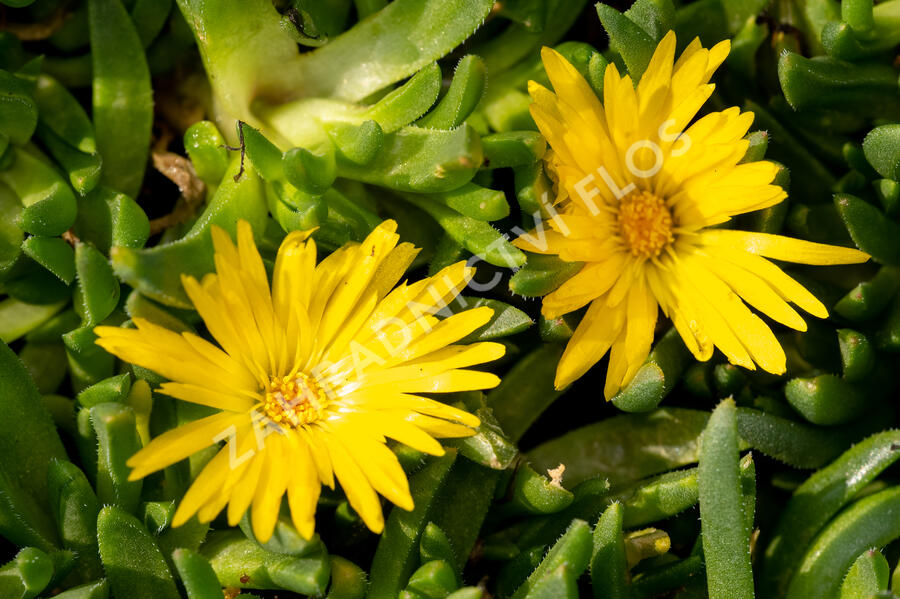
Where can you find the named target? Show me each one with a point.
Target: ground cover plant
(462, 299)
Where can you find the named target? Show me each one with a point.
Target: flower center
(294, 401)
(645, 223)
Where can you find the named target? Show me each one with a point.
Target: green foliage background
(697, 480)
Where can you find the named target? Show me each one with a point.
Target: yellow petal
(461, 356)
(441, 289)
(592, 339)
(784, 285)
(351, 328)
(591, 282)
(642, 313)
(752, 332)
(756, 292)
(205, 486)
(439, 428)
(212, 509)
(717, 55)
(386, 313)
(217, 316)
(395, 427)
(788, 249)
(412, 403)
(272, 485)
(359, 491)
(353, 287)
(312, 436)
(328, 274)
(444, 333)
(171, 355)
(242, 493)
(184, 441)
(303, 486)
(618, 366)
(552, 127)
(382, 467)
(714, 322)
(245, 288)
(208, 495)
(568, 82)
(392, 269)
(545, 99)
(653, 88)
(294, 269)
(207, 397)
(664, 286)
(450, 382)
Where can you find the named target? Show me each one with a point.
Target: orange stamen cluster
(645, 224)
(294, 401)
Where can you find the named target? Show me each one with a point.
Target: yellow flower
(638, 194)
(311, 378)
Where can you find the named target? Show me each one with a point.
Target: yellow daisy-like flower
(311, 376)
(639, 191)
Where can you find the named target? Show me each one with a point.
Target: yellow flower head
(310, 376)
(638, 189)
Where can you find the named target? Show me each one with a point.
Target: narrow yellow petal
(784, 285)
(788, 249)
(439, 428)
(642, 314)
(444, 333)
(674, 305)
(653, 88)
(386, 312)
(392, 269)
(171, 355)
(241, 494)
(294, 268)
(592, 339)
(756, 292)
(544, 98)
(352, 288)
(211, 510)
(203, 396)
(551, 126)
(720, 331)
(568, 82)
(752, 332)
(450, 382)
(272, 486)
(461, 356)
(382, 467)
(207, 483)
(359, 491)
(592, 281)
(366, 399)
(251, 262)
(184, 441)
(303, 486)
(688, 53)
(328, 274)
(440, 290)
(352, 327)
(312, 436)
(398, 429)
(207, 496)
(216, 315)
(618, 366)
(717, 55)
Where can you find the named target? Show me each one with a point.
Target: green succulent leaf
(122, 96)
(133, 563)
(28, 444)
